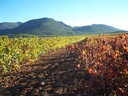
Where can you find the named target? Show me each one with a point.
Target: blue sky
(71, 12)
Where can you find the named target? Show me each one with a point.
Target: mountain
(49, 26)
(96, 28)
(6, 27)
(9, 25)
(43, 26)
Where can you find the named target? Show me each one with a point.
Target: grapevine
(14, 51)
(106, 60)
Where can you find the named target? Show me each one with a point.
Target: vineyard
(106, 60)
(95, 66)
(14, 51)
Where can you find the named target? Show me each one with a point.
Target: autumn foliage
(106, 61)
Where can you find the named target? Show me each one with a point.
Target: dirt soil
(52, 75)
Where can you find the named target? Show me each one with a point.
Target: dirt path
(53, 74)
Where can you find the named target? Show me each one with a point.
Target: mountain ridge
(49, 26)
(96, 28)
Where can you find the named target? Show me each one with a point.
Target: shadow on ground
(51, 75)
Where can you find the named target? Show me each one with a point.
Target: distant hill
(9, 25)
(49, 26)
(96, 28)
